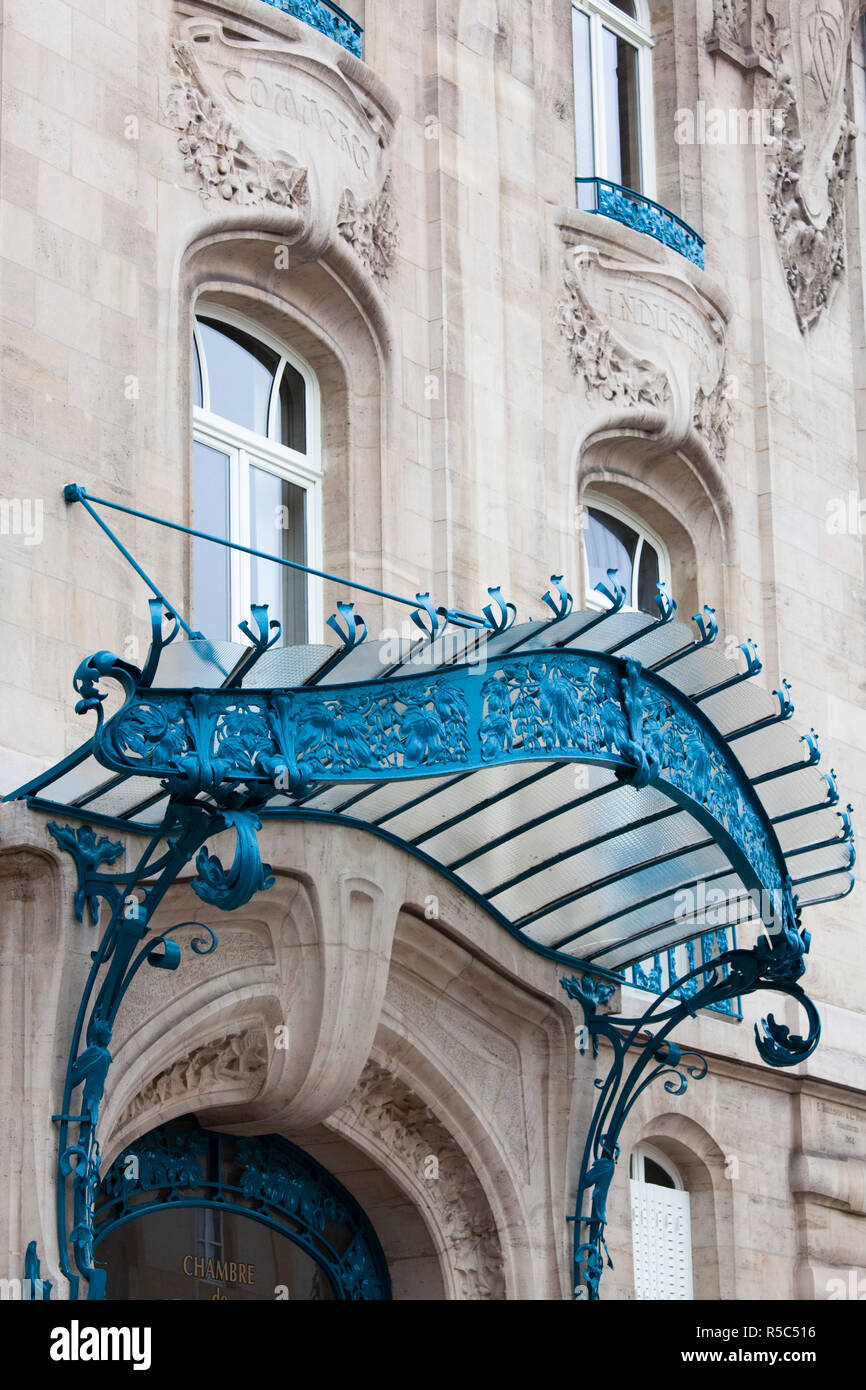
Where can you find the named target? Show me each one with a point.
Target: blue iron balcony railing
(659, 972)
(329, 19)
(641, 213)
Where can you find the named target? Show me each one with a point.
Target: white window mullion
(315, 615)
(240, 511)
(647, 123)
(599, 121)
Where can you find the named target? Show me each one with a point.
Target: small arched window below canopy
(661, 1227)
(616, 539)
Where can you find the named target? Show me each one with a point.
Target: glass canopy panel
(741, 705)
(369, 662)
(810, 830)
(660, 642)
(770, 748)
(610, 632)
(563, 632)
(559, 823)
(128, 796)
(622, 852)
(286, 667)
(79, 781)
(487, 796)
(199, 664)
(701, 670)
(584, 923)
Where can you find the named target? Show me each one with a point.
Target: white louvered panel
(662, 1240)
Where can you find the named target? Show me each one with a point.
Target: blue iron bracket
(126, 945)
(642, 1053)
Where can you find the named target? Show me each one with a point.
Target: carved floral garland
(371, 228)
(608, 369)
(212, 148)
(235, 1057)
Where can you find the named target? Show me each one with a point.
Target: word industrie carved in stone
(371, 228)
(609, 370)
(214, 150)
(236, 1057)
(384, 1109)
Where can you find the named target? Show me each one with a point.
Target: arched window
(613, 95)
(661, 1227)
(257, 477)
(615, 539)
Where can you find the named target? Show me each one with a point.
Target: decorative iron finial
(614, 592)
(666, 605)
(707, 625)
(502, 621)
(562, 606)
(355, 630)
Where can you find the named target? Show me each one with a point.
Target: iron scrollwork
(128, 942)
(642, 1053)
(241, 748)
(265, 1178)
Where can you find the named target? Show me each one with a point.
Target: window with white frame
(613, 110)
(661, 1227)
(614, 538)
(256, 477)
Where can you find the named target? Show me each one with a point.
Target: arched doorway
(186, 1214)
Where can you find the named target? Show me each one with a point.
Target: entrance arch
(188, 1214)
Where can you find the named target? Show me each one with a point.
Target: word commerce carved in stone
(278, 115)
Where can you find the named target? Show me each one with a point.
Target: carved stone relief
(371, 228)
(642, 336)
(213, 148)
(234, 1058)
(608, 369)
(801, 64)
(713, 416)
(808, 157)
(390, 1116)
(272, 113)
(730, 22)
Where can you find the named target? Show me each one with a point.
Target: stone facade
(487, 357)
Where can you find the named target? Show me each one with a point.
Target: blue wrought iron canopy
(605, 784)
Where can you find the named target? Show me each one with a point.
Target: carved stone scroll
(234, 1058)
(393, 1119)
